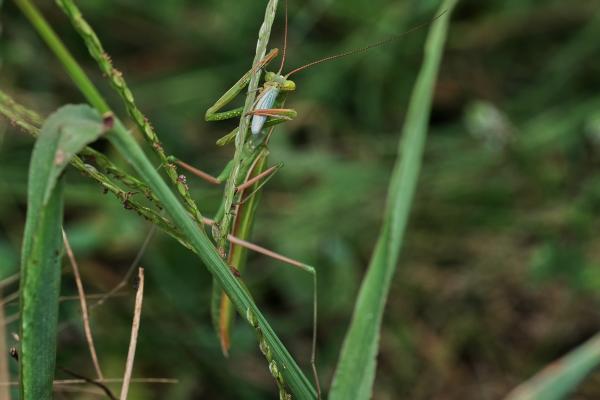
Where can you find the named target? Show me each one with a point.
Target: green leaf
(355, 372)
(64, 134)
(561, 377)
(40, 285)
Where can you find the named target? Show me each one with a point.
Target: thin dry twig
(130, 270)
(99, 385)
(84, 308)
(11, 318)
(60, 382)
(89, 296)
(9, 281)
(81, 390)
(14, 296)
(104, 296)
(135, 327)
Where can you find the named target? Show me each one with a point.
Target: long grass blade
(222, 309)
(64, 134)
(355, 370)
(40, 286)
(561, 377)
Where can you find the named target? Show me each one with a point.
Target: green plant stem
(240, 140)
(120, 85)
(298, 383)
(40, 287)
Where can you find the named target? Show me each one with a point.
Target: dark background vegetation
(499, 274)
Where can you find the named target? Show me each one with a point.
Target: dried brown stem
(84, 308)
(130, 270)
(96, 383)
(59, 382)
(10, 298)
(135, 327)
(10, 280)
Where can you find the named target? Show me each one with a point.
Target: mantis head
(281, 81)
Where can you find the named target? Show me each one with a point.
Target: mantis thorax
(279, 81)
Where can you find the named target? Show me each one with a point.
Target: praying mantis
(267, 112)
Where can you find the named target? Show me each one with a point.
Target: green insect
(268, 111)
(268, 108)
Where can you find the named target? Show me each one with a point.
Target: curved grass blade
(64, 134)
(355, 370)
(562, 376)
(69, 130)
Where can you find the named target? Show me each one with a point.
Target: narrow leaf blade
(561, 377)
(64, 134)
(355, 372)
(40, 286)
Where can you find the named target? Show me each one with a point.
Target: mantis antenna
(362, 49)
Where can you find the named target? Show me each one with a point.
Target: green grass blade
(561, 377)
(355, 371)
(294, 378)
(68, 131)
(64, 134)
(221, 308)
(40, 286)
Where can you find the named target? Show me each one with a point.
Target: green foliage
(499, 267)
(561, 377)
(355, 372)
(63, 135)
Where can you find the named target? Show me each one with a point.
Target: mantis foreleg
(214, 114)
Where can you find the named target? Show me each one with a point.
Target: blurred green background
(499, 274)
